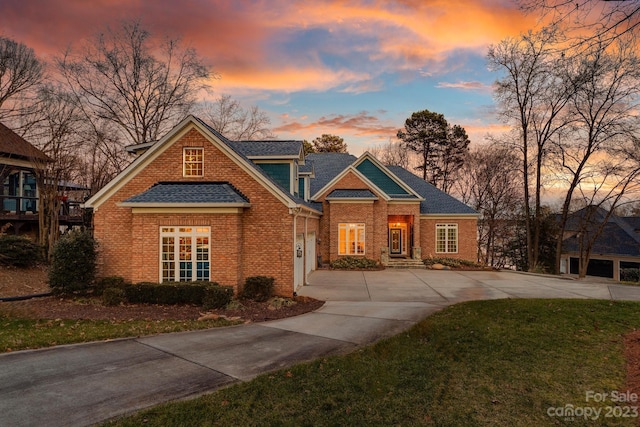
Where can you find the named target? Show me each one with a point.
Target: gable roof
(189, 193)
(13, 145)
(435, 201)
(380, 178)
(618, 236)
(222, 143)
(376, 176)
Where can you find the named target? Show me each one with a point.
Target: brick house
(196, 206)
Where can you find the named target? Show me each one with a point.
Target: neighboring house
(19, 192)
(616, 248)
(196, 206)
(19, 161)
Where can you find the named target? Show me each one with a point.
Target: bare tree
(589, 20)
(20, 73)
(394, 154)
(55, 131)
(227, 116)
(532, 94)
(604, 107)
(602, 200)
(490, 182)
(143, 88)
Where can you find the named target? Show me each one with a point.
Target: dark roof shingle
(435, 201)
(13, 144)
(190, 192)
(268, 148)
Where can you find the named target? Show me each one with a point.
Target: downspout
(295, 212)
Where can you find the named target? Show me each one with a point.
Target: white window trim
(358, 226)
(175, 232)
(184, 161)
(446, 228)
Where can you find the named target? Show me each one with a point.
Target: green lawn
(21, 334)
(489, 363)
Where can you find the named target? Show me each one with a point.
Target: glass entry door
(395, 241)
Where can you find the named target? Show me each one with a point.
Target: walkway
(85, 384)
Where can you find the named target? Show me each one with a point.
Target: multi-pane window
(351, 239)
(184, 253)
(446, 238)
(193, 162)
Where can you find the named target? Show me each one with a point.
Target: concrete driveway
(84, 384)
(447, 287)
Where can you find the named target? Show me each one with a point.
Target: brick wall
(258, 241)
(374, 215)
(467, 237)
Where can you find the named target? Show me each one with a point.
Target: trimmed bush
(104, 283)
(170, 293)
(217, 297)
(354, 263)
(451, 262)
(113, 296)
(73, 266)
(19, 251)
(258, 288)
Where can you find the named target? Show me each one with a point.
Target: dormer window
(193, 161)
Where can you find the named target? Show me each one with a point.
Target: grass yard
(21, 334)
(497, 363)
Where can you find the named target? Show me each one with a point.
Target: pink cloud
(472, 85)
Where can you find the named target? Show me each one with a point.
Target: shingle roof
(14, 145)
(238, 151)
(307, 168)
(435, 201)
(618, 236)
(351, 194)
(190, 192)
(327, 166)
(268, 148)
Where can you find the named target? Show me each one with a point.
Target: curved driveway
(88, 383)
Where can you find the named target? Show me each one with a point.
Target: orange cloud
(249, 43)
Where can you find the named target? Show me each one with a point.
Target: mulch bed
(86, 308)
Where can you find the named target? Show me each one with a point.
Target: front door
(395, 238)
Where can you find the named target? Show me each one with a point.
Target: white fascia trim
(150, 155)
(391, 175)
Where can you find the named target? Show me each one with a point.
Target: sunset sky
(356, 69)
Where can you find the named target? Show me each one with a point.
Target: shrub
(630, 274)
(258, 288)
(73, 265)
(104, 283)
(354, 263)
(169, 293)
(113, 296)
(217, 297)
(451, 262)
(19, 251)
